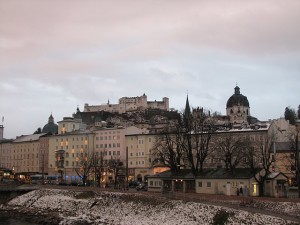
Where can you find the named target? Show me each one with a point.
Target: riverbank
(68, 207)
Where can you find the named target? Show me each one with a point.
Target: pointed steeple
(187, 110)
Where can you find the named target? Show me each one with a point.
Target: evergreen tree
(38, 131)
(290, 115)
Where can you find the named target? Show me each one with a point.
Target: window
(208, 184)
(200, 184)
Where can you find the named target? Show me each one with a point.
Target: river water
(10, 221)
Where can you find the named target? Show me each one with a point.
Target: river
(11, 221)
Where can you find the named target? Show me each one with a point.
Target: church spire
(187, 110)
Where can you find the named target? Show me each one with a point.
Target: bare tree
(98, 167)
(168, 148)
(117, 168)
(259, 159)
(187, 143)
(199, 128)
(229, 149)
(85, 164)
(293, 159)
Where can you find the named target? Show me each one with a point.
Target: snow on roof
(31, 137)
(273, 175)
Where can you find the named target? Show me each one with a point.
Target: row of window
(73, 139)
(101, 138)
(155, 183)
(25, 156)
(113, 145)
(208, 184)
(25, 150)
(138, 154)
(106, 153)
(137, 163)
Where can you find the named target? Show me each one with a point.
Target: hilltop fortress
(129, 104)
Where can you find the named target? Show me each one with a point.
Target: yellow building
(140, 164)
(65, 152)
(25, 157)
(5, 153)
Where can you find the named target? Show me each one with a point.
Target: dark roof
(182, 174)
(237, 99)
(222, 173)
(209, 173)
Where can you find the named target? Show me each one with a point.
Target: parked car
(133, 184)
(142, 187)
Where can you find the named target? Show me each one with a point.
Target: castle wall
(127, 104)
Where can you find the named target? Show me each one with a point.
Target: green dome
(237, 99)
(50, 127)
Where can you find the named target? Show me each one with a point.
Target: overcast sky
(56, 55)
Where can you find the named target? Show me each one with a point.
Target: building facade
(5, 153)
(139, 156)
(25, 157)
(66, 153)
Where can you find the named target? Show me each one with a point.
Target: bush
(221, 217)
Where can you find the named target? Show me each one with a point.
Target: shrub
(221, 217)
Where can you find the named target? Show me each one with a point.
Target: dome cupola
(237, 99)
(237, 108)
(50, 127)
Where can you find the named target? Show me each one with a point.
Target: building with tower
(238, 109)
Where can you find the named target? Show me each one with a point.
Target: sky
(57, 55)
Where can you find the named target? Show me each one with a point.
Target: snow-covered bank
(126, 209)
